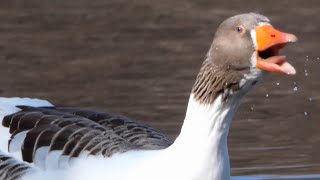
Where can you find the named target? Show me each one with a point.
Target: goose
(40, 141)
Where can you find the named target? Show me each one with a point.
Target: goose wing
(51, 137)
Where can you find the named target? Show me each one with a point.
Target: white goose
(43, 142)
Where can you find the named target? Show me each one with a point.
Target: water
(143, 61)
(275, 177)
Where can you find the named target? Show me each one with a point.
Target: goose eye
(239, 29)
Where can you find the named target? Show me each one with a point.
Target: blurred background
(139, 58)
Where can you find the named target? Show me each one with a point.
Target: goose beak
(269, 41)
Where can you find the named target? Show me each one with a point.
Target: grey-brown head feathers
(229, 58)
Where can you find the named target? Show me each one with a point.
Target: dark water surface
(140, 58)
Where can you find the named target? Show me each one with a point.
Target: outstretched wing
(50, 137)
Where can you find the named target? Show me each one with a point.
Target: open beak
(269, 42)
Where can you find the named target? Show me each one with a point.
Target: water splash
(305, 72)
(277, 83)
(295, 89)
(267, 95)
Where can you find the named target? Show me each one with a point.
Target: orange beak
(269, 42)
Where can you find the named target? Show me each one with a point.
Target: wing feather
(51, 137)
(11, 169)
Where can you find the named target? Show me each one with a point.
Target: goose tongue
(269, 42)
(277, 64)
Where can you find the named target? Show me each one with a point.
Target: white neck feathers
(203, 138)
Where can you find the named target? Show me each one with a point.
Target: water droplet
(277, 83)
(294, 83)
(295, 89)
(306, 74)
(310, 99)
(318, 58)
(267, 95)
(306, 113)
(251, 108)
